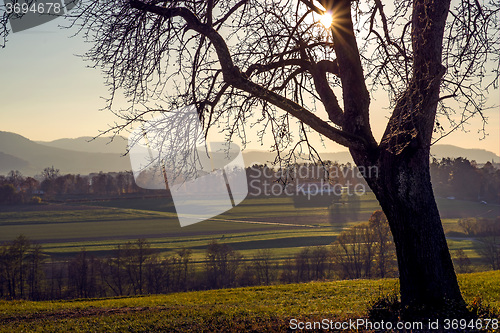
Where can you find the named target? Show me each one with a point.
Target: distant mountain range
(437, 151)
(85, 155)
(475, 154)
(30, 157)
(89, 144)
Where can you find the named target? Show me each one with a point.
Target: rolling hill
(437, 151)
(29, 157)
(9, 162)
(119, 145)
(478, 155)
(90, 145)
(85, 155)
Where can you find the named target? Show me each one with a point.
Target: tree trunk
(427, 278)
(403, 186)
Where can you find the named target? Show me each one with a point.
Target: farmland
(257, 223)
(287, 233)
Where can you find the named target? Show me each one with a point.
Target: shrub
(480, 310)
(36, 200)
(387, 308)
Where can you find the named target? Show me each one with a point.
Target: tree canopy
(244, 62)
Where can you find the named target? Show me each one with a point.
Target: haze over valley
(85, 155)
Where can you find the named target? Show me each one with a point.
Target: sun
(326, 19)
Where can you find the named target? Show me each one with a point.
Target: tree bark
(402, 185)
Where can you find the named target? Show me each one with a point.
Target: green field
(252, 309)
(257, 223)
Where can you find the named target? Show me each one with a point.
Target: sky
(47, 93)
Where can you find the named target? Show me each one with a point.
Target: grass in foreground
(253, 309)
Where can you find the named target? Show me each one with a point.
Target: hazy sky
(47, 93)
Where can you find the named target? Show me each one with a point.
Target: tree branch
(234, 77)
(412, 121)
(326, 93)
(355, 94)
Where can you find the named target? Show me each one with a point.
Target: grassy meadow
(250, 309)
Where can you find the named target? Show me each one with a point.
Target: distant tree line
(17, 189)
(458, 178)
(464, 179)
(328, 171)
(486, 233)
(14, 188)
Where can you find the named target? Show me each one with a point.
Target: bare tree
(468, 225)
(35, 274)
(156, 275)
(242, 62)
(78, 275)
(137, 255)
(489, 250)
(489, 243)
(385, 251)
(354, 252)
(320, 262)
(20, 249)
(113, 272)
(265, 269)
(287, 271)
(7, 268)
(303, 265)
(462, 262)
(365, 250)
(57, 278)
(312, 263)
(222, 263)
(184, 260)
